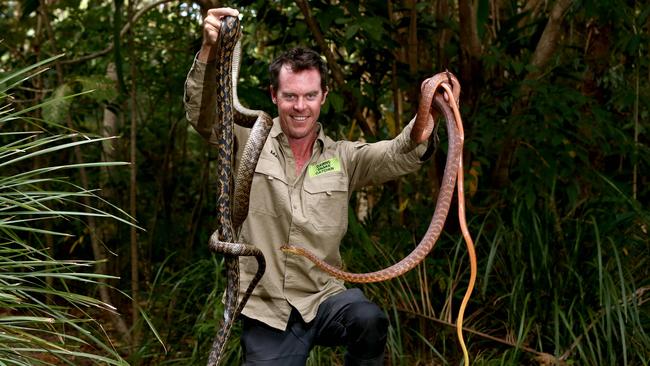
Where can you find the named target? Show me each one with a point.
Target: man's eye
(312, 96)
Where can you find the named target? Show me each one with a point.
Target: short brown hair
(299, 59)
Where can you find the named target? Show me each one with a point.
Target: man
(299, 195)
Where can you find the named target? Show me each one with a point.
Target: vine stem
(636, 130)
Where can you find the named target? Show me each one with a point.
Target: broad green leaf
(102, 88)
(57, 104)
(336, 100)
(351, 31)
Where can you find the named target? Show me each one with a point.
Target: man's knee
(367, 320)
(367, 333)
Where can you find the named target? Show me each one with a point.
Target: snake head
(291, 249)
(229, 31)
(452, 80)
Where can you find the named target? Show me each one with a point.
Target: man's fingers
(221, 12)
(212, 22)
(211, 33)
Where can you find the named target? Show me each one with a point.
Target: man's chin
(299, 134)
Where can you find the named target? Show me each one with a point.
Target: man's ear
(324, 95)
(274, 95)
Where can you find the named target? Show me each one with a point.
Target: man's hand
(211, 26)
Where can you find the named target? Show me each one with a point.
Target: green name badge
(329, 165)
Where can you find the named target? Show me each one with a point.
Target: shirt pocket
(269, 191)
(326, 199)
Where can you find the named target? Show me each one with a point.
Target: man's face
(299, 98)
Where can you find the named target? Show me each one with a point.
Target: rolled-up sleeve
(379, 162)
(199, 99)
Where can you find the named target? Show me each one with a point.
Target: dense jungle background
(107, 195)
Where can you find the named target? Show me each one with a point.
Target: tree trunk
(413, 38)
(135, 285)
(470, 51)
(442, 13)
(549, 40)
(539, 61)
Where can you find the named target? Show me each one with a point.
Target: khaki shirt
(308, 209)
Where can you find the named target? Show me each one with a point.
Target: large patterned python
(232, 209)
(442, 92)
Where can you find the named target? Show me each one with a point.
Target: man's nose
(299, 105)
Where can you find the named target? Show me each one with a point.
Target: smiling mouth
(300, 118)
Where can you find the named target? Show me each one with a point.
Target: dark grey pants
(348, 319)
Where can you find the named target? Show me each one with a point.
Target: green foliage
(43, 319)
(58, 104)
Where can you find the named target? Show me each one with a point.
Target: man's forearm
(200, 94)
(207, 53)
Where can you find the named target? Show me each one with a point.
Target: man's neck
(302, 150)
